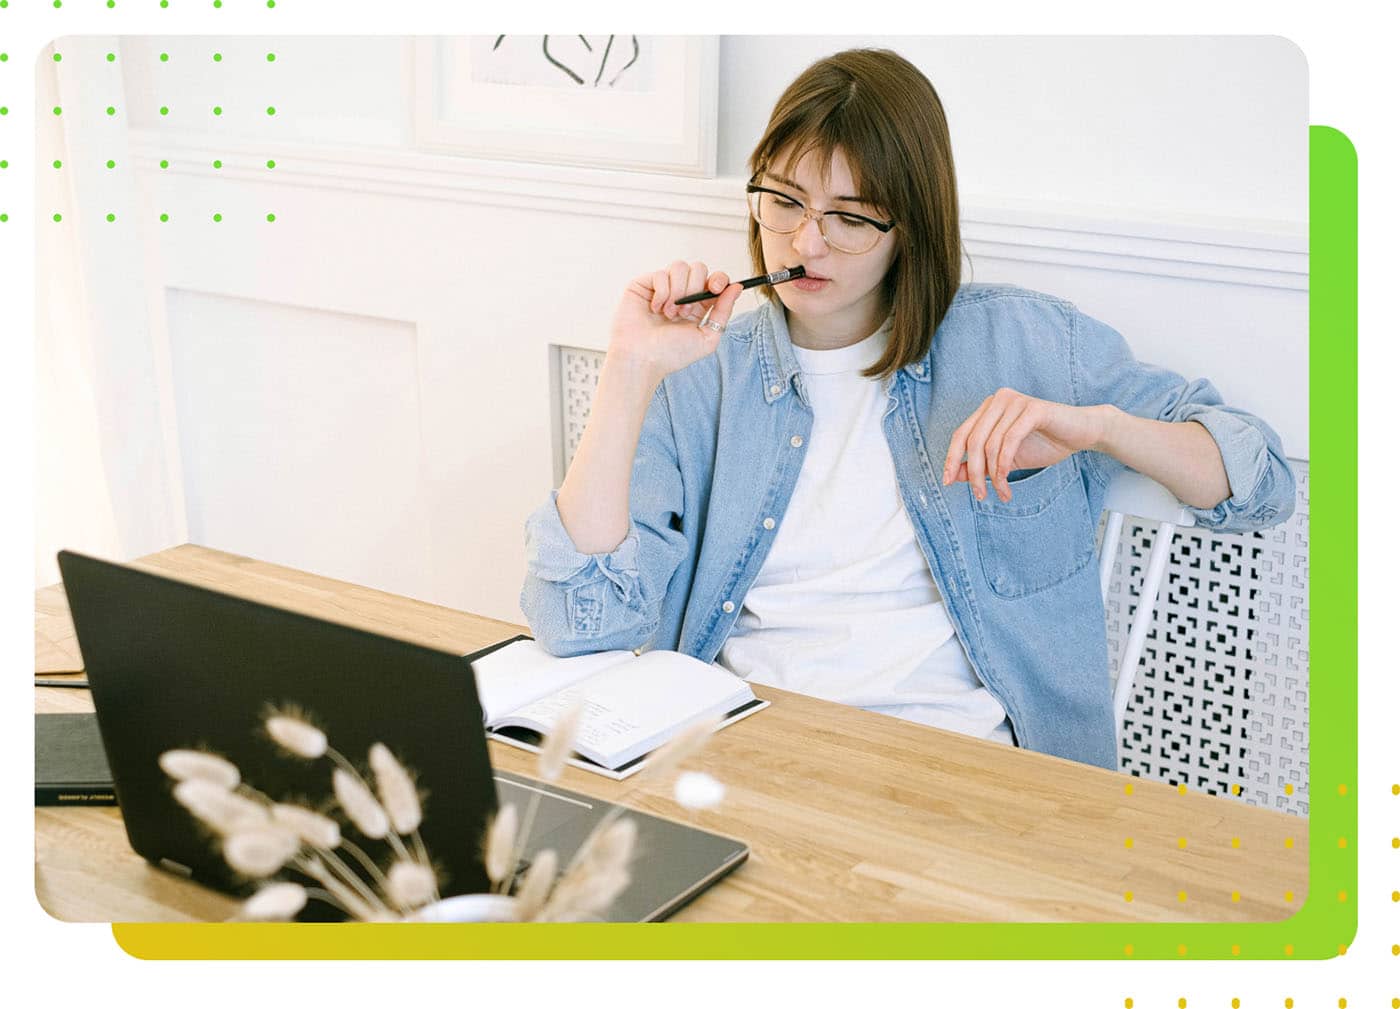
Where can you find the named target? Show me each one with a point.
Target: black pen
(780, 277)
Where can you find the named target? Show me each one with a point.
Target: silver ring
(710, 324)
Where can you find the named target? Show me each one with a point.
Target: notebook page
(517, 674)
(633, 707)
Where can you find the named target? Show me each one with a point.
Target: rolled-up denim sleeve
(577, 602)
(1262, 485)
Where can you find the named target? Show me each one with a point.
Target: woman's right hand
(652, 333)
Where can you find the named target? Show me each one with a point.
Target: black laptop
(176, 666)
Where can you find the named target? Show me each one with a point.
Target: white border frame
(673, 130)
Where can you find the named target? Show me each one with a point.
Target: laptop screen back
(176, 666)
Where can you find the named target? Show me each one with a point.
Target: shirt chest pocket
(1038, 539)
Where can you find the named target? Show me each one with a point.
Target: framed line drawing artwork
(644, 103)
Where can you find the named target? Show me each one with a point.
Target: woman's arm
(1225, 464)
(1182, 457)
(651, 337)
(1012, 431)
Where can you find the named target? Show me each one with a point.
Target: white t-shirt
(845, 607)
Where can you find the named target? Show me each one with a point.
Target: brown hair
(885, 116)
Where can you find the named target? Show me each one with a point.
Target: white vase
(468, 907)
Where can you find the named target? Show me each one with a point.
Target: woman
(881, 487)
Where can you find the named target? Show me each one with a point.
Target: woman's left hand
(1011, 431)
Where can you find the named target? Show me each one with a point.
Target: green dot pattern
(165, 3)
(111, 111)
(271, 163)
(58, 110)
(4, 111)
(271, 111)
(218, 110)
(164, 110)
(218, 57)
(4, 218)
(58, 164)
(111, 57)
(218, 217)
(272, 217)
(165, 217)
(272, 57)
(58, 57)
(164, 163)
(4, 57)
(58, 217)
(111, 164)
(111, 217)
(111, 4)
(165, 57)
(4, 164)
(218, 163)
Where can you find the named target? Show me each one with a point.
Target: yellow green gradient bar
(1319, 930)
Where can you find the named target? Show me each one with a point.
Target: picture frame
(625, 102)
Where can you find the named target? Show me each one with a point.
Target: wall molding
(1223, 250)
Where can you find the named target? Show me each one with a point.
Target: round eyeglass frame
(883, 227)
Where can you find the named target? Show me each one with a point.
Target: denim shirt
(719, 455)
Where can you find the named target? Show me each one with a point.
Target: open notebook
(633, 704)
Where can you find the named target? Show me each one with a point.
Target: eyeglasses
(841, 229)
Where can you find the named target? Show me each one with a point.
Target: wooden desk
(851, 816)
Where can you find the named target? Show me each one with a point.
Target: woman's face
(841, 297)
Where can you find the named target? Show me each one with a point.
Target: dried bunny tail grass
(313, 828)
(345, 897)
(597, 874)
(611, 848)
(684, 745)
(291, 730)
(260, 851)
(222, 810)
(697, 790)
(274, 902)
(500, 842)
(584, 894)
(538, 881)
(560, 743)
(410, 885)
(196, 765)
(397, 792)
(360, 805)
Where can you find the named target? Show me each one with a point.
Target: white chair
(1131, 493)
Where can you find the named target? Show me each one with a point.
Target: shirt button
(919, 369)
(775, 389)
(796, 441)
(728, 606)
(768, 523)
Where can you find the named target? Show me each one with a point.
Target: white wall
(361, 388)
